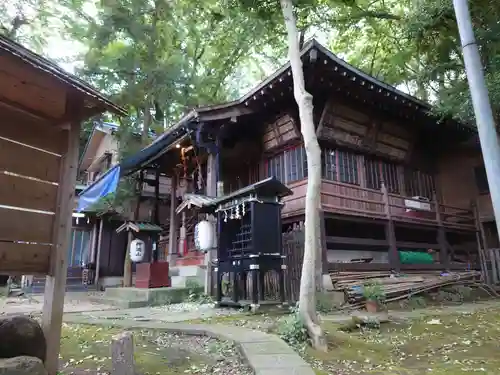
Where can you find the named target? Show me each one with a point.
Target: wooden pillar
(322, 261)
(182, 234)
(211, 188)
(390, 234)
(172, 233)
(156, 215)
(98, 255)
(211, 191)
(482, 248)
(55, 284)
(93, 243)
(134, 215)
(444, 257)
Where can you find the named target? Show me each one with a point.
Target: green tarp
(415, 257)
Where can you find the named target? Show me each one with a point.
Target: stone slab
(276, 361)
(303, 370)
(139, 297)
(266, 347)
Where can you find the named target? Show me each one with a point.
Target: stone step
(190, 261)
(137, 297)
(119, 302)
(184, 281)
(186, 271)
(38, 286)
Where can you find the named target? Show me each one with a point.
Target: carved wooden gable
(342, 125)
(279, 132)
(346, 126)
(393, 140)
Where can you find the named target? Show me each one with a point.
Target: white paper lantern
(204, 235)
(137, 250)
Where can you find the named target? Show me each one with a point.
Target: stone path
(267, 354)
(33, 304)
(179, 312)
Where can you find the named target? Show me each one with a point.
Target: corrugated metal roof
(139, 227)
(197, 200)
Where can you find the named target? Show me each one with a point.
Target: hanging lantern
(137, 250)
(204, 235)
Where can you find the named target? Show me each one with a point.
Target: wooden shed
(41, 109)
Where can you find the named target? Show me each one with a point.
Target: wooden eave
(22, 68)
(351, 82)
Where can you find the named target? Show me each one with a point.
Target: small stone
(22, 365)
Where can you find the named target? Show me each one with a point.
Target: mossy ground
(444, 345)
(88, 347)
(438, 345)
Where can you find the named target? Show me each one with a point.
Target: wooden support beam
(55, 284)
(390, 233)
(481, 247)
(444, 257)
(375, 242)
(323, 242)
(172, 233)
(98, 254)
(38, 115)
(211, 191)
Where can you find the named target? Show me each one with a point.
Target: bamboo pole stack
(397, 287)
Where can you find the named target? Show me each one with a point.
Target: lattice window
(418, 183)
(289, 165)
(378, 170)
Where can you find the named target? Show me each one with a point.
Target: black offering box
(249, 241)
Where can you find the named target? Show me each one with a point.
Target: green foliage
(324, 303)
(373, 291)
(291, 329)
(120, 201)
(196, 294)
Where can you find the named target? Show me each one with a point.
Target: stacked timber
(396, 287)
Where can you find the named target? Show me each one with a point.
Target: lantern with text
(204, 236)
(137, 250)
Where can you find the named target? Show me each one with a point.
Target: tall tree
(312, 244)
(270, 12)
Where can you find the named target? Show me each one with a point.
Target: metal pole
(482, 108)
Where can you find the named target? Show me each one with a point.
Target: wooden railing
(342, 198)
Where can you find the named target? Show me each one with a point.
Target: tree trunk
(307, 298)
(146, 125)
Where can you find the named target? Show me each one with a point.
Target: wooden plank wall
(347, 126)
(29, 172)
(279, 132)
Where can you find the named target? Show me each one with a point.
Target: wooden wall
(29, 176)
(279, 132)
(113, 248)
(457, 181)
(346, 126)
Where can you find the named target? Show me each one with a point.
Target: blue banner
(107, 184)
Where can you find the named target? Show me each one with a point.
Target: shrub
(292, 330)
(373, 291)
